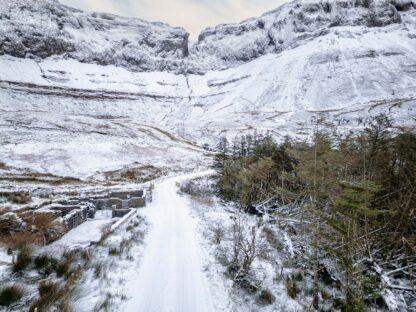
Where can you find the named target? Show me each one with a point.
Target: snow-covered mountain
(73, 82)
(45, 28)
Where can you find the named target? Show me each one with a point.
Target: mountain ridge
(58, 30)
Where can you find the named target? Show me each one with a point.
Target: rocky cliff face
(289, 26)
(46, 28)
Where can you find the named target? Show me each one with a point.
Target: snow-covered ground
(171, 276)
(179, 270)
(84, 234)
(113, 262)
(5, 261)
(215, 221)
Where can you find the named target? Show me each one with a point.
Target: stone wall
(114, 202)
(75, 218)
(65, 209)
(127, 194)
(119, 213)
(120, 199)
(137, 202)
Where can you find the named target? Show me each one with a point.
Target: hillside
(74, 72)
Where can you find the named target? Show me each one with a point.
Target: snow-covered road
(170, 278)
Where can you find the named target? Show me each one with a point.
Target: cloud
(193, 15)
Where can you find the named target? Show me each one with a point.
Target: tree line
(358, 189)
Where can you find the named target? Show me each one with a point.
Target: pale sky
(193, 15)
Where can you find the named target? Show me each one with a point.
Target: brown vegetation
(138, 174)
(23, 259)
(42, 223)
(17, 197)
(10, 294)
(18, 239)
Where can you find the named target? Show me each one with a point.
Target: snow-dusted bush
(265, 297)
(49, 294)
(41, 261)
(197, 187)
(291, 287)
(10, 294)
(23, 259)
(62, 267)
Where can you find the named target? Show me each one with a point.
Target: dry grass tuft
(10, 294)
(105, 232)
(24, 259)
(20, 198)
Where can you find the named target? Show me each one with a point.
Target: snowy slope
(91, 104)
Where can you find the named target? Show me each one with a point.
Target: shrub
(10, 294)
(98, 268)
(42, 261)
(20, 239)
(49, 294)
(199, 187)
(272, 239)
(105, 304)
(105, 232)
(246, 283)
(65, 305)
(218, 233)
(24, 258)
(17, 197)
(291, 287)
(265, 297)
(68, 275)
(298, 275)
(355, 305)
(373, 288)
(47, 287)
(61, 268)
(49, 269)
(113, 251)
(43, 223)
(125, 243)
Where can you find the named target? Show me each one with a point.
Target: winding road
(170, 278)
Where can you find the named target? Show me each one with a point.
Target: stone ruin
(69, 213)
(76, 210)
(119, 202)
(74, 215)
